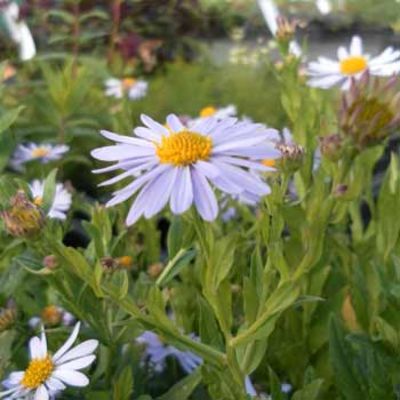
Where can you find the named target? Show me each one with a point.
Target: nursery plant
(199, 232)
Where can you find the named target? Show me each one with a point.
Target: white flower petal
(41, 393)
(204, 197)
(79, 363)
(81, 350)
(68, 344)
(71, 377)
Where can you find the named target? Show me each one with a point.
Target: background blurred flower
(177, 164)
(352, 63)
(18, 30)
(61, 202)
(33, 151)
(132, 88)
(49, 374)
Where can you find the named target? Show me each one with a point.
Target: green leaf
(49, 191)
(184, 388)
(7, 119)
(123, 386)
(309, 392)
(180, 261)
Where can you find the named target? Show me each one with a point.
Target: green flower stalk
(370, 111)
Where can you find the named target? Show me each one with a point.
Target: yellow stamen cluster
(353, 65)
(38, 201)
(184, 148)
(208, 111)
(127, 83)
(38, 371)
(40, 152)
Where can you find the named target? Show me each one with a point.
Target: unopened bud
(23, 218)
(154, 270)
(349, 315)
(50, 262)
(108, 264)
(340, 190)
(292, 157)
(124, 262)
(331, 146)
(8, 317)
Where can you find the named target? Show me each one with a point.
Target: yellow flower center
(208, 111)
(38, 371)
(40, 152)
(184, 148)
(268, 163)
(127, 83)
(353, 65)
(38, 201)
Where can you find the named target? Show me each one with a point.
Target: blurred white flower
(324, 6)
(215, 112)
(47, 374)
(352, 63)
(61, 202)
(134, 89)
(33, 151)
(19, 31)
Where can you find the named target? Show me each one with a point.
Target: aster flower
(134, 89)
(352, 63)
(47, 374)
(211, 111)
(32, 151)
(61, 201)
(178, 163)
(157, 352)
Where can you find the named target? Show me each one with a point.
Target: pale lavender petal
(182, 193)
(126, 139)
(153, 125)
(207, 169)
(204, 197)
(121, 152)
(174, 123)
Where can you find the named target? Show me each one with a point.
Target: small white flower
(33, 151)
(352, 63)
(61, 202)
(324, 6)
(211, 111)
(19, 31)
(46, 374)
(133, 88)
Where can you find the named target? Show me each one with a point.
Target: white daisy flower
(177, 163)
(352, 63)
(33, 151)
(133, 88)
(61, 202)
(47, 374)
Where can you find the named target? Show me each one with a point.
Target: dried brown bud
(50, 262)
(292, 156)
(109, 264)
(154, 270)
(340, 190)
(331, 146)
(23, 218)
(8, 317)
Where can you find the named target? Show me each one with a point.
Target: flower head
(370, 111)
(61, 201)
(352, 63)
(49, 374)
(177, 164)
(134, 89)
(23, 218)
(33, 151)
(157, 352)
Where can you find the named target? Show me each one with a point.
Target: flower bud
(292, 157)
(50, 262)
(154, 270)
(108, 264)
(23, 218)
(8, 316)
(349, 315)
(124, 262)
(331, 146)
